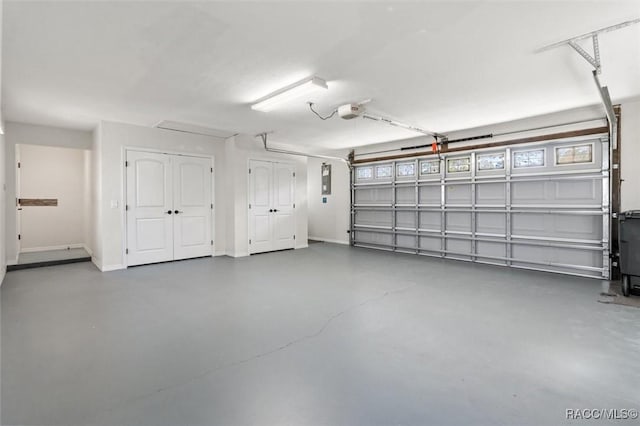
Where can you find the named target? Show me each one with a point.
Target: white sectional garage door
(541, 206)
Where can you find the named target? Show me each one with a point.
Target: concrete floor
(51, 255)
(328, 335)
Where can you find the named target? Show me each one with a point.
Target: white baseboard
(87, 249)
(329, 240)
(60, 247)
(109, 268)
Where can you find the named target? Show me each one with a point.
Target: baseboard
(96, 262)
(238, 254)
(109, 268)
(87, 249)
(302, 246)
(329, 240)
(60, 247)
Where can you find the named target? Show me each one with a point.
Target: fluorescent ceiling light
(296, 90)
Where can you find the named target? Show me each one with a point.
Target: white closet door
(260, 210)
(283, 217)
(149, 203)
(192, 207)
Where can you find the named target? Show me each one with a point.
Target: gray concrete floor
(51, 255)
(328, 335)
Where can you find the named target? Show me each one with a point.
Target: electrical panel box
(326, 179)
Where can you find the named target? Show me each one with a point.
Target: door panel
(271, 211)
(260, 216)
(284, 192)
(192, 202)
(149, 226)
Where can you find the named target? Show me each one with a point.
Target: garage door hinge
(127, 251)
(212, 170)
(126, 207)
(294, 237)
(249, 241)
(249, 171)
(18, 164)
(211, 206)
(249, 205)
(126, 164)
(211, 242)
(294, 205)
(19, 236)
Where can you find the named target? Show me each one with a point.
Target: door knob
(270, 210)
(176, 211)
(275, 210)
(168, 211)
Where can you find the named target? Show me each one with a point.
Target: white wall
(3, 180)
(239, 150)
(30, 134)
(630, 172)
(110, 141)
(52, 172)
(328, 221)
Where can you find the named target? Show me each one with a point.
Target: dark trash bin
(629, 227)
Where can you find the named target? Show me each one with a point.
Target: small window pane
(364, 173)
(383, 171)
(458, 165)
(491, 161)
(430, 167)
(406, 169)
(533, 158)
(574, 154)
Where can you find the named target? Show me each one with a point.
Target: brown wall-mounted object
(38, 202)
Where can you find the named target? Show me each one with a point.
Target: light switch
(114, 204)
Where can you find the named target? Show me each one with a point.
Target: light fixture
(295, 90)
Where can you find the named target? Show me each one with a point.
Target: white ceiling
(439, 65)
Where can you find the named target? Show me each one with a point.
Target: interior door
(260, 210)
(283, 218)
(192, 207)
(18, 206)
(149, 208)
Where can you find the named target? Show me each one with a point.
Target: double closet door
(169, 207)
(272, 224)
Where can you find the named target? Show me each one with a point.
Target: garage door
(541, 206)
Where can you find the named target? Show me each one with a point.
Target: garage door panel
(374, 195)
(457, 249)
(366, 237)
(406, 241)
(490, 193)
(458, 194)
(405, 195)
(406, 219)
(458, 222)
(491, 223)
(374, 218)
(430, 243)
(429, 194)
(430, 220)
(539, 205)
(491, 250)
(580, 227)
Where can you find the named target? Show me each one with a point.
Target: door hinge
(126, 207)
(19, 236)
(249, 241)
(294, 237)
(18, 164)
(212, 170)
(211, 242)
(127, 251)
(294, 205)
(249, 206)
(126, 164)
(249, 171)
(294, 174)
(211, 206)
